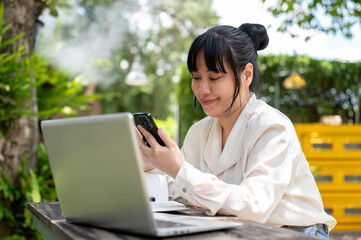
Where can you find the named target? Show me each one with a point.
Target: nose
(204, 87)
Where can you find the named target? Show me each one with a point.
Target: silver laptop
(96, 166)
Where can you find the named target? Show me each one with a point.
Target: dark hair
(238, 46)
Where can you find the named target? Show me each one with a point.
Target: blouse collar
(217, 160)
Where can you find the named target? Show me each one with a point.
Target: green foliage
(341, 15)
(61, 95)
(161, 48)
(51, 5)
(44, 176)
(31, 186)
(331, 89)
(169, 125)
(4, 29)
(18, 75)
(57, 92)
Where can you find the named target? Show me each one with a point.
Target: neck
(227, 122)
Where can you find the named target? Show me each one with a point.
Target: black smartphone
(146, 121)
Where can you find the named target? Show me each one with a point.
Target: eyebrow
(210, 71)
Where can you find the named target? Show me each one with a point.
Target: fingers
(147, 164)
(168, 159)
(151, 140)
(164, 136)
(137, 132)
(139, 137)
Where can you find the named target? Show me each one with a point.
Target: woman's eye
(196, 78)
(214, 78)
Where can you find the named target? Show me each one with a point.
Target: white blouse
(261, 174)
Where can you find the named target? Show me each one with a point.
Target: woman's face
(214, 90)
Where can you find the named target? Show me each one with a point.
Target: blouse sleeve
(267, 174)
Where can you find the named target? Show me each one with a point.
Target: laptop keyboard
(167, 224)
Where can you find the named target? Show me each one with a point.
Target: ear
(248, 73)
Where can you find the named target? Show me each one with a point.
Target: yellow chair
(334, 155)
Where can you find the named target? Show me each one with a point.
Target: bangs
(215, 51)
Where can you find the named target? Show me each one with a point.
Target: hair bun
(257, 33)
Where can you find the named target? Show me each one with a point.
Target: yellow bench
(334, 155)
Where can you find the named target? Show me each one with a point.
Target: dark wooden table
(49, 221)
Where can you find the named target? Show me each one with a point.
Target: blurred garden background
(71, 58)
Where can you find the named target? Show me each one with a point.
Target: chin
(213, 114)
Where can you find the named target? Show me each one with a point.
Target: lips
(206, 102)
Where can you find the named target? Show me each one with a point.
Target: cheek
(194, 87)
(227, 88)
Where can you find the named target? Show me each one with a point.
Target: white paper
(167, 206)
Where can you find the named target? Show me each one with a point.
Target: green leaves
(7, 188)
(321, 15)
(51, 5)
(62, 95)
(4, 29)
(18, 75)
(31, 186)
(331, 89)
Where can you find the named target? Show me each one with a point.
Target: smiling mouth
(207, 101)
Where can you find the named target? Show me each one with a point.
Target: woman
(244, 158)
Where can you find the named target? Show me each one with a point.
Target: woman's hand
(147, 164)
(168, 158)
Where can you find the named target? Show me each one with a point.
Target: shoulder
(266, 118)
(268, 124)
(199, 132)
(200, 126)
(196, 137)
